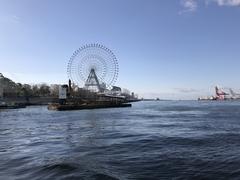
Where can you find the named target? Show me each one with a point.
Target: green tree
(44, 90)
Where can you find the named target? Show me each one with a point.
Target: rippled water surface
(151, 140)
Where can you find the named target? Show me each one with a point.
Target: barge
(68, 107)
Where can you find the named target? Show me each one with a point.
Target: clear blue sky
(177, 49)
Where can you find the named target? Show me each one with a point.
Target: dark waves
(151, 140)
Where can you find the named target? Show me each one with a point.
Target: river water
(151, 140)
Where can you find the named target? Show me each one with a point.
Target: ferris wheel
(93, 66)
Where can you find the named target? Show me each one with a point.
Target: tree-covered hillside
(11, 88)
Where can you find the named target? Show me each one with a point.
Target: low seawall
(31, 100)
